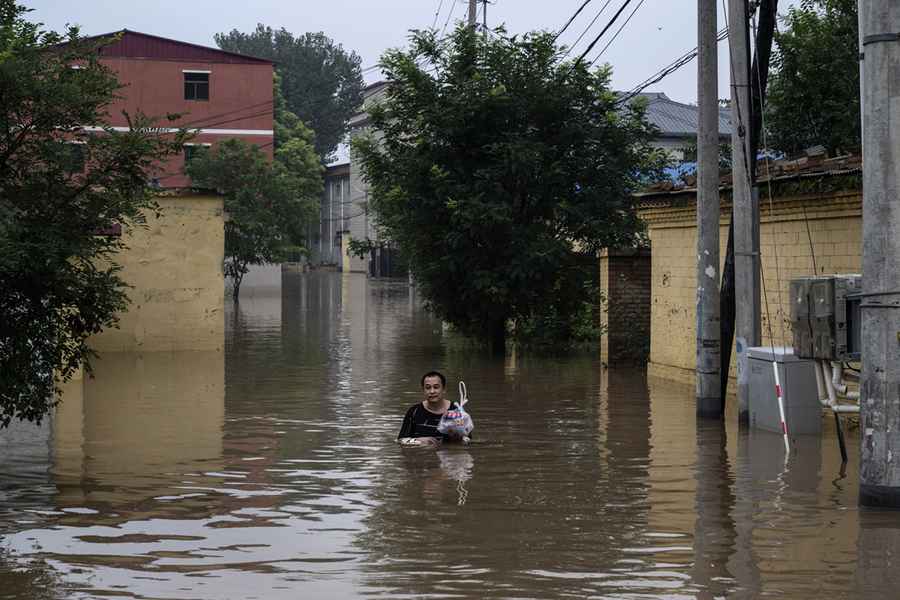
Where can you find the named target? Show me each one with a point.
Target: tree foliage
(268, 202)
(62, 190)
(498, 168)
(322, 83)
(813, 96)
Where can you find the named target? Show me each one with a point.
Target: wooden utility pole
(708, 335)
(746, 205)
(879, 469)
(473, 13)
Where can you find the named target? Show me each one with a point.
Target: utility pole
(709, 402)
(879, 469)
(473, 13)
(746, 205)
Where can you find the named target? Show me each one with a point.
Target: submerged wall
(793, 229)
(174, 268)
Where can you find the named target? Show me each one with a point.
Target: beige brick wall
(174, 266)
(832, 222)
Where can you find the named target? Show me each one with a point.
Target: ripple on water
(270, 471)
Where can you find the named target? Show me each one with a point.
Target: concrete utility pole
(879, 469)
(473, 13)
(708, 334)
(746, 205)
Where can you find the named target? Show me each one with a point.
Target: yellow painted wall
(174, 266)
(137, 424)
(834, 224)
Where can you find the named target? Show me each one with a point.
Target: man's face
(433, 390)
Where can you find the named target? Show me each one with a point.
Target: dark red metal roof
(134, 44)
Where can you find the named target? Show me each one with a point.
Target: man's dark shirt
(420, 422)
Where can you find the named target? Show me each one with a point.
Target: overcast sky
(659, 32)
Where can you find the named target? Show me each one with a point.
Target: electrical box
(802, 408)
(847, 296)
(825, 316)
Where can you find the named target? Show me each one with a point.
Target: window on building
(196, 85)
(73, 156)
(192, 151)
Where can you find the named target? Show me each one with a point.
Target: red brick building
(220, 94)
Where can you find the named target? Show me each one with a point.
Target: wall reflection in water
(140, 419)
(751, 520)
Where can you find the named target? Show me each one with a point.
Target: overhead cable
(588, 28)
(609, 43)
(437, 14)
(668, 70)
(605, 29)
(572, 18)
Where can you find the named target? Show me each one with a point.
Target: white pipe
(829, 383)
(820, 383)
(837, 378)
(832, 392)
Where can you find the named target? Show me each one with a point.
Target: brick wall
(625, 283)
(832, 221)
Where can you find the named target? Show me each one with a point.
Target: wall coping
(682, 213)
(624, 252)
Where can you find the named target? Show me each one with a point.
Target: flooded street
(270, 471)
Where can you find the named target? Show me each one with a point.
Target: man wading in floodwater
(420, 425)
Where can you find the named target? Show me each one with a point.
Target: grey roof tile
(677, 119)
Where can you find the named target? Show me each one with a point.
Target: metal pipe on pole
(708, 334)
(879, 469)
(746, 205)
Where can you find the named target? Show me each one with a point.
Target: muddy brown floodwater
(270, 471)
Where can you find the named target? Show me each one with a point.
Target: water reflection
(714, 531)
(270, 470)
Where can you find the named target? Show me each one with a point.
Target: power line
(436, 14)
(588, 28)
(223, 122)
(449, 16)
(605, 29)
(640, 4)
(667, 70)
(228, 112)
(572, 18)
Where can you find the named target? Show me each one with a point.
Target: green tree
(322, 83)
(268, 202)
(498, 169)
(62, 190)
(813, 96)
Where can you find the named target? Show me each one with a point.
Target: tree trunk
(236, 289)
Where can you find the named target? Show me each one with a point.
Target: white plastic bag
(456, 421)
